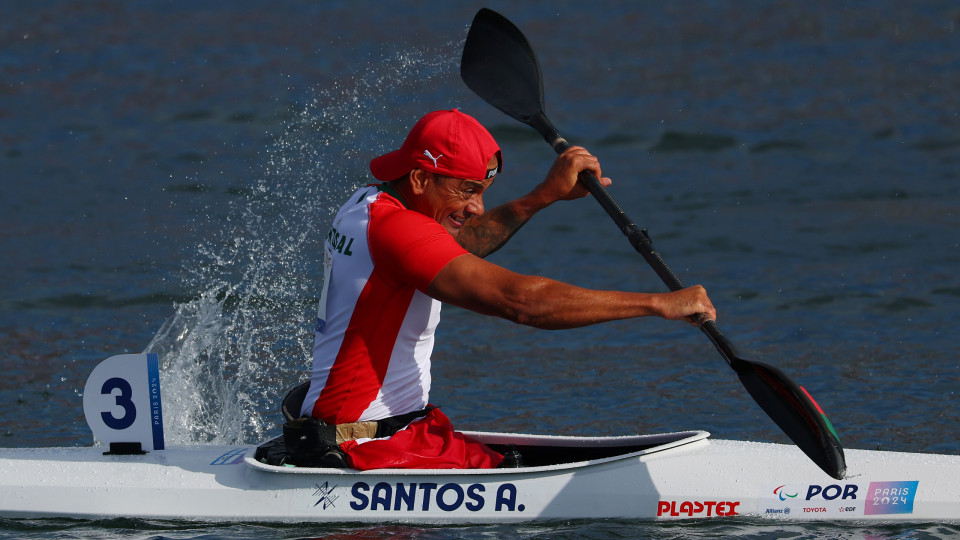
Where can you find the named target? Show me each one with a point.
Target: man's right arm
(472, 283)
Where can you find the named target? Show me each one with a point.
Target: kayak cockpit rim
(540, 452)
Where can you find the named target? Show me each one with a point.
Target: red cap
(449, 143)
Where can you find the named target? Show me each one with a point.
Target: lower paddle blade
(797, 414)
(499, 65)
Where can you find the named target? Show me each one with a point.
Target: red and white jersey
(375, 326)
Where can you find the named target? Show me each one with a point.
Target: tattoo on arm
(482, 235)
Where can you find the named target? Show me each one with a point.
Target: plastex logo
(697, 508)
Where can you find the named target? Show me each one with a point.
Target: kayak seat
(293, 402)
(274, 452)
(302, 443)
(306, 441)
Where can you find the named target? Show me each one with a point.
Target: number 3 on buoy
(121, 401)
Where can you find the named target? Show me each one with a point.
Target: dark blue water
(167, 170)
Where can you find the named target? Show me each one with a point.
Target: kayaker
(395, 251)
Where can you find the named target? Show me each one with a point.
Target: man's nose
(475, 206)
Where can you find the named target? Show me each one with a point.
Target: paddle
(501, 67)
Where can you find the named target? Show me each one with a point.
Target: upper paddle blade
(797, 414)
(500, 66)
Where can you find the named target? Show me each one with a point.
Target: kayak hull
(660, 477)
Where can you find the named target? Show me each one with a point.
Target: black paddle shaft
(639, 238)
(641, 241)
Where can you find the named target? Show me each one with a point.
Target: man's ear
(418, 181)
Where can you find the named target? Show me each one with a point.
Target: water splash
(229, 355)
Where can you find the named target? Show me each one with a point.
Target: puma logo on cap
(433, 159)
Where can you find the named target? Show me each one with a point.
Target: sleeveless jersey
(375, 325)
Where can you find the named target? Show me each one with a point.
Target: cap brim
(390, 166)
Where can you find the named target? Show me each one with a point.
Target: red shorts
(427, 443)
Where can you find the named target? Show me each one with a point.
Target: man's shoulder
(388, 213)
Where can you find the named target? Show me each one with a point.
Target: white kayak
(669, 476)
(663, 477)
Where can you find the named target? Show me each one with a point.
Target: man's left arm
(486, 233)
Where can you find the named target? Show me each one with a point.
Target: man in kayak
(398, 249)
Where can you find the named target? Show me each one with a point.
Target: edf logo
(833, 491)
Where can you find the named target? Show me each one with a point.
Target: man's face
(452, 201)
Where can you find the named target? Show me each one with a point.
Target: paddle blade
(499, 65)
(797, 414)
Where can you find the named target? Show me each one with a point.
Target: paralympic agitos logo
(783, 495)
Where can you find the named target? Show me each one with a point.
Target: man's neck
(395, 190)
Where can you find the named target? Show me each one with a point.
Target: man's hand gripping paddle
(501, 67)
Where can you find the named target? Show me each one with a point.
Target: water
(168, 170)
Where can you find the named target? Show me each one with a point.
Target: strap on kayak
(310, 442)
